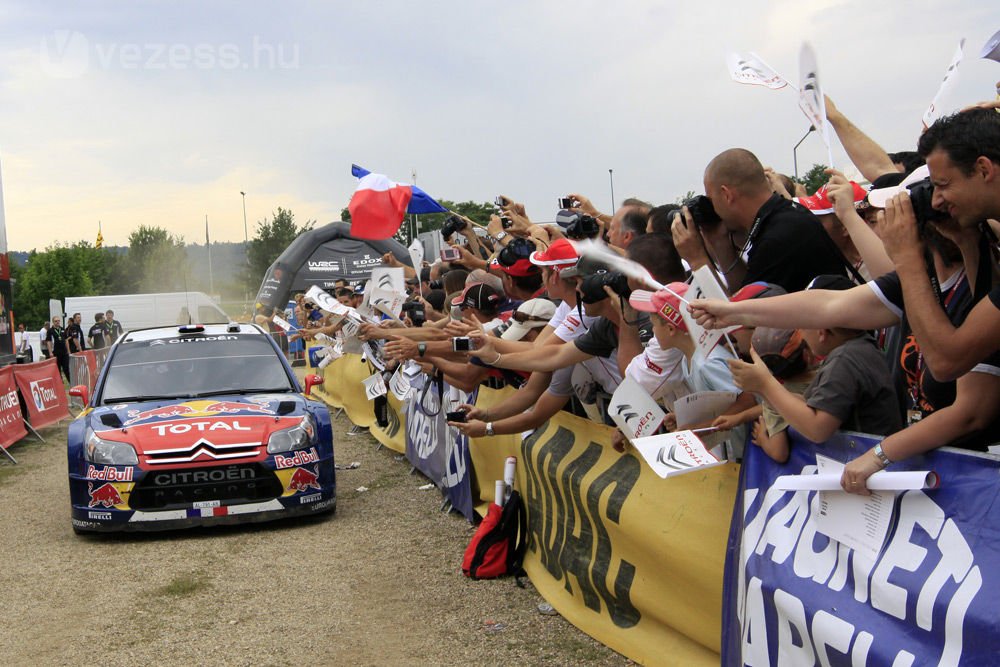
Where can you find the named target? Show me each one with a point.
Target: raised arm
(870, 158)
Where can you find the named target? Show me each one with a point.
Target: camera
(461, 344)
(506, 222)
(584, 227)
(450, 254)
(702, 212)
(459, 416)
(501, 201)
(415, 311)
(921, 196)
(592, 287)
(451, 225)
(567, 202)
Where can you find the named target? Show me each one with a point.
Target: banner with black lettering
(11, 421)
(929, 596)
(437, 450)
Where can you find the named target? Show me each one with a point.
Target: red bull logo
(112, 474)
(105, 495)
(304, 479)
(301, 458)
(226, 406)
(163, 412)
(196, 409)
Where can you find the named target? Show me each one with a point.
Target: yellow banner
(633, 560)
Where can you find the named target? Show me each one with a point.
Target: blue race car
(198, 425)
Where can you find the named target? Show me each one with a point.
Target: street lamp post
(246, 247)
(611, 175)
(795, 156)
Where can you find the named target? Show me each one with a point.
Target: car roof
(155, 333)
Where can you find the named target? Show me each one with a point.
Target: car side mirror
(311, 381)
(81, 392)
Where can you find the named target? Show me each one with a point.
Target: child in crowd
(786, 355)
(852, 388)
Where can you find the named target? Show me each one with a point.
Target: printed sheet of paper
(702, 406)
(675, 453)
(374, 386)
(399, 384)
(859, 522)
(880, 481)
(634, 411)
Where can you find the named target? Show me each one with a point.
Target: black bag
(497, 549)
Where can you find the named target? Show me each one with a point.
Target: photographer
(963, 157)
(785, 244)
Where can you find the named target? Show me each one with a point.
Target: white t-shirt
(658, 371)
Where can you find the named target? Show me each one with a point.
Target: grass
(183, 585)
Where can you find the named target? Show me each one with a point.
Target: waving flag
(379, 205)
(754, 71)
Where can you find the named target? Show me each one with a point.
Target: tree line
(155, 260)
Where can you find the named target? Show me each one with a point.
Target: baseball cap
(520, 268)
(777, 347)
(663, 302)
(559, 255)
(359, 288)
(532, 314)
(586, 266)
(879, 197)
(820, 203)
(757, 290)
(479, 296)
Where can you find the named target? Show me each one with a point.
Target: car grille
(232, 485)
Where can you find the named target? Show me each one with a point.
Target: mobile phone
(461, 344)
(450, 254)
(506, 222)
(457, 416)
(501, 201)
(566, 203)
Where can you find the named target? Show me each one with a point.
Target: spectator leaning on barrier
(963, 159)
(852, 388)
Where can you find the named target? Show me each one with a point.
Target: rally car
(198, 425)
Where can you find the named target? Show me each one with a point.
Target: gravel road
(378, 583)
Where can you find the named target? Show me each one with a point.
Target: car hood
(209, 430)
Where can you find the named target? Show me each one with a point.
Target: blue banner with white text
(794, 596)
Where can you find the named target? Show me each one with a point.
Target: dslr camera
(921, 196)
(592, 287)
(451, 225)
(577, 226)
(702, 212)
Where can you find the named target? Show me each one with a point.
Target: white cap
(879, 198)
(532, 314)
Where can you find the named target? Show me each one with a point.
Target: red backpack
(497, 549)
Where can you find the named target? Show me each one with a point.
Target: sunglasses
(524, 317)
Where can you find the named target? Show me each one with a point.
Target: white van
(138, 311)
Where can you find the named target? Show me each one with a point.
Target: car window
(193, 365)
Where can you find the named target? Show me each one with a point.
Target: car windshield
(194, 366)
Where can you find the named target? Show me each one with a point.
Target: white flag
(991, 49)
(933, 112)
(374, 386)
(675, 453)
(752, 70)
(634, 411)
(811, 99)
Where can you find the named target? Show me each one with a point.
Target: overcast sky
(160, 113)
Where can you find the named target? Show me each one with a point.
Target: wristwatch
(421, 348)
(489, 429)
(880, 455)
(500, 236)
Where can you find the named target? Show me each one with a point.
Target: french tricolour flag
(379, 205)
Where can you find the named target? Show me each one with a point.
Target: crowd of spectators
(869, 307)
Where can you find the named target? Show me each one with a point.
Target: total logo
(43, 396)
(109, 474)
(186, 427)
(301, 458)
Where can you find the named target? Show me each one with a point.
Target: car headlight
(108, 452)
(300, 436)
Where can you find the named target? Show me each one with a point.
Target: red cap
(757, 290)
(820, 204)
(560, 254)
(520, 268)
(663, 302)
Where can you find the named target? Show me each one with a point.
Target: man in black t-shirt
(783, 243)
(74, 334)
(55, 341)
(112, 326)
(97, 332)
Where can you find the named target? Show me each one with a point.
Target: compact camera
(450, 254)
(451, 225)
(461, 344)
